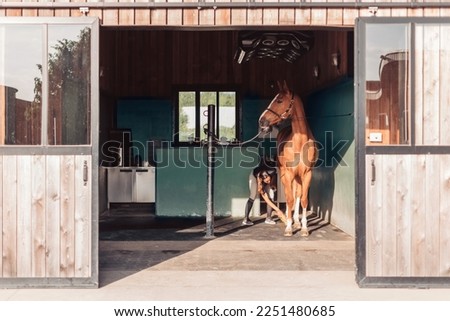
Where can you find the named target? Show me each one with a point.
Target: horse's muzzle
(264, 126)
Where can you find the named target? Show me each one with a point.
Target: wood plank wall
(156, 60)
(46, 221)
(408, 231)
(432, 117)
(193, 16)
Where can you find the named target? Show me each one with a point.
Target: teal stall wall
(251, 111)
(331, 116)
(234, 165)
(148, 119)
(181, 180)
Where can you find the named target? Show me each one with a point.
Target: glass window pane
(227, 115)
(387, 84)
(69, 49)
(206, 98)
(186, 116)
(20, 84)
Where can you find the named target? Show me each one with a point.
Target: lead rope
(253, 138)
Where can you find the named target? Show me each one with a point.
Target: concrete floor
(146, 258)
(168, 244)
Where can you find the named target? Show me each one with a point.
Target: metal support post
(210, 173)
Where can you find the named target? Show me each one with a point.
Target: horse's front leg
(287, 183)
(304, 202)
(297, 194)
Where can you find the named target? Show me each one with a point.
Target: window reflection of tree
(69, 91)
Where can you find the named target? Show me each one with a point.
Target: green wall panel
(251, 110)
(331, 116)
(181, 180)
(231, 178)
(148, 119)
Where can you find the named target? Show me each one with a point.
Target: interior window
(227, 115)
(207, 98)
(192, 116)
(186, 116)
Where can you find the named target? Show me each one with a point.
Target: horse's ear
(280, 86)
(285, 86)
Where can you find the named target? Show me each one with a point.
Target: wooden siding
(45, 220)
(205, 15)
(408, 222)
(432, 117)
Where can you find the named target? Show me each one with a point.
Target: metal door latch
(85, 173)
(374, 170)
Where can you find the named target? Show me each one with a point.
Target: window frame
(405, 126)
(43, 24)
(198, 89)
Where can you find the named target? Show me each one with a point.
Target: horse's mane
(284, 135)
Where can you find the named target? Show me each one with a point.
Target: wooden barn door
(48, 158)
(403, 132)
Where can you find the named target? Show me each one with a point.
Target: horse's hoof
(297, 226)
(288, 232)
(304, 232)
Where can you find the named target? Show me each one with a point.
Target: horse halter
(285, 114)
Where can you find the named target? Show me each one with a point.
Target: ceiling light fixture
(288, 46)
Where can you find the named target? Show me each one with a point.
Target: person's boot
(269, 219)
(248, 208)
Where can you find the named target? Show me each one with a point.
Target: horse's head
(278, 110)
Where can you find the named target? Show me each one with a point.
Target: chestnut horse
(297, 153)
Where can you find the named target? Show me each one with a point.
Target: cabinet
(144, 185)
(131, 184)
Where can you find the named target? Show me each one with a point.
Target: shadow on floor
(128, 223)
(133, 239)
